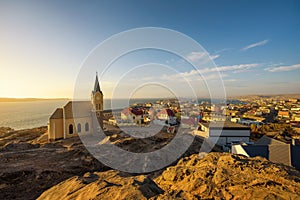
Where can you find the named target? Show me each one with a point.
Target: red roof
(137, 111)
(284, 113)
(126, 111)
(168, 111)
(189, 121)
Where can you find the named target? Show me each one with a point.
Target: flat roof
(226, 125)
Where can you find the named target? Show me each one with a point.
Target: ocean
(23, 115)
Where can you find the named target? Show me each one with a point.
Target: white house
(132, 115)
(167, 115)
(223, 133)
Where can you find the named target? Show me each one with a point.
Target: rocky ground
(215, 176)
(33, 168)
(29, 165)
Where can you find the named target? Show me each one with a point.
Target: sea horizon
(30, 114)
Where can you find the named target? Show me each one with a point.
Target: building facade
(224, 133)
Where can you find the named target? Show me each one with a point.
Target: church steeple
(97, 85)
(97, 102)
(97, 96)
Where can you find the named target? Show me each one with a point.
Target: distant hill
(3, 99)
(267, 96)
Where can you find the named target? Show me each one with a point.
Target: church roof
(58, 114)
(77, 109)
(97, 86)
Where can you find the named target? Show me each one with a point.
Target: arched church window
(70, 129)
(87, 127)
(79, 128)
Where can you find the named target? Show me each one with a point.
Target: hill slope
(217, 175)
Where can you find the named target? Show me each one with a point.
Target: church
(65, 123)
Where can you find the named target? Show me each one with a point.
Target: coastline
(4, 99)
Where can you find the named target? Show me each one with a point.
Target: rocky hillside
(212, 176)
(29, 165)
(32, 168)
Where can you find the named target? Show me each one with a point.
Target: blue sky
(43, 44)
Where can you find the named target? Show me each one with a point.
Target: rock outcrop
(228, 176)
(104, 185)
(31, 167)
(215, 176)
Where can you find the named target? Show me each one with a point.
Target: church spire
(97, 85)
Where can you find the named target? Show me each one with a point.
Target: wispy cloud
(203, 74)
(283, 68)
(209, 73)
(223, 50)
(195, 57)
(242, 71)
(182, 77)
(229, 80)
(237, 68)
(214, 56)
(221, 69)
(257, 44)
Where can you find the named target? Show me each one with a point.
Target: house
(272, 149)
(283, 114)
(188, 122)
(254, 118)
(151, 113)
(167, 115)
(77, 117)
(246, 122)
(132, 115)
(223, 133)
(231, 113)
(296, 118)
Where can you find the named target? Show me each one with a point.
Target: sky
(253, 47)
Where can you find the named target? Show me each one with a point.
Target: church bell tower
(97, 102)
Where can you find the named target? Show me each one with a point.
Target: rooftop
(224, 125)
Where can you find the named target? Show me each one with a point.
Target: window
(70, 129)
(79, 128)
(87, 127)
(98, 107)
